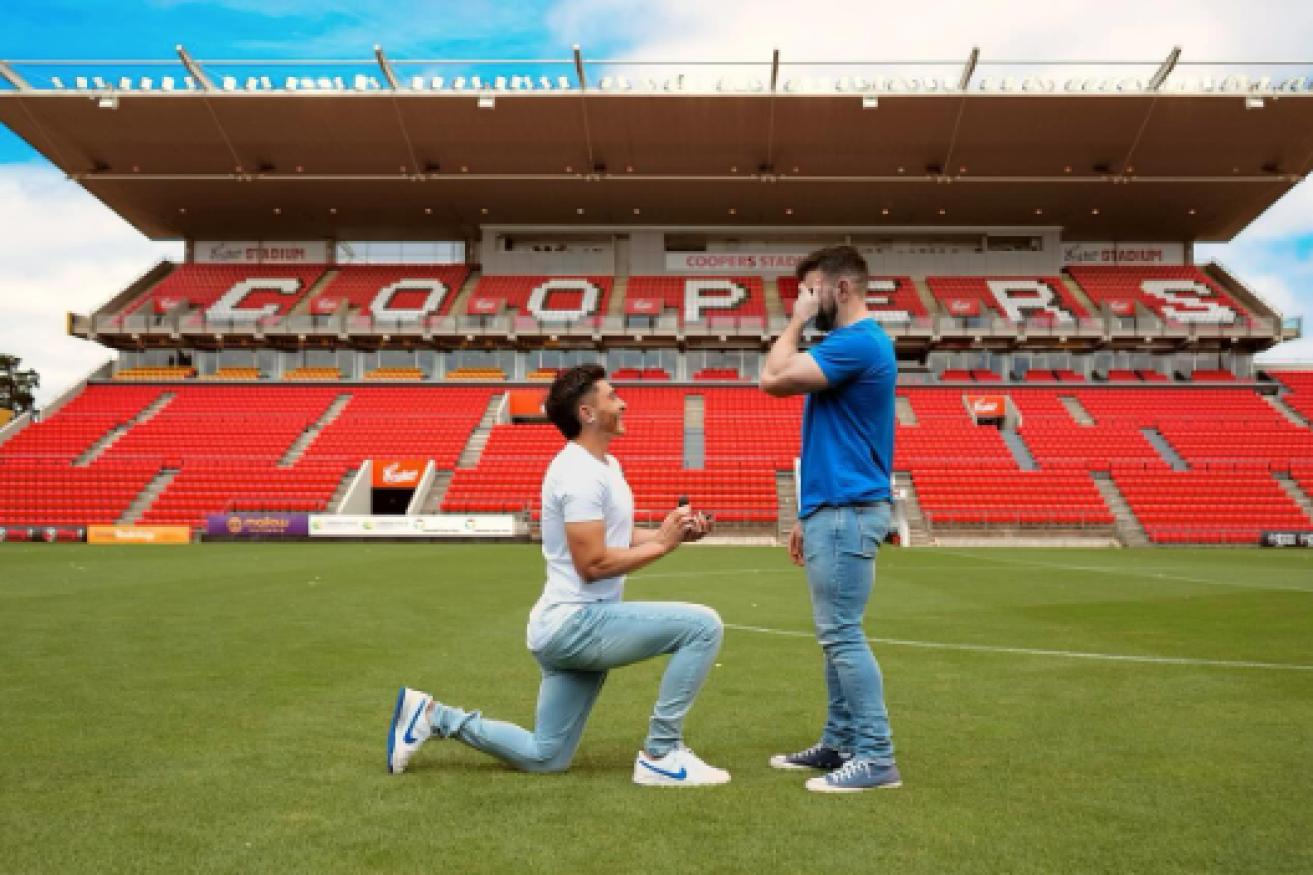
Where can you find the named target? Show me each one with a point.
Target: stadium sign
(1287, 539)
(138, 535)
(1131, 254)
(398, 473)
(259, 252)
(444, 526)
(734, 262)
(257, 525)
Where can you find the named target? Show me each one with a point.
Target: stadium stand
(559, 298)
(395, 374)
(234, 374)
(253, 292)
(1043, 299)
(414, 290)
(958, 496)
(476, 374)
(713, 301)
(1174, 293)
(155, 374)
(313, 374)
(1225, 507)
(76, 427)
(1300, 396)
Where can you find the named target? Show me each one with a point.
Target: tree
(17, 388)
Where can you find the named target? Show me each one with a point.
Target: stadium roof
(398, 163)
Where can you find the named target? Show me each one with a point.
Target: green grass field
(223, 708)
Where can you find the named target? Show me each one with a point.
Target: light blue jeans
(596, 639)
(839, 546)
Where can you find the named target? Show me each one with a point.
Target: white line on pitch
(1027, 651)
(1126, 572)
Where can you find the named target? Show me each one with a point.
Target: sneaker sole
(854, 789)
(677, 784)
(392, 730)
(785, 765)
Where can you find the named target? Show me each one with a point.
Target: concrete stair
(469, 457)
(903, 411)
(302, 307)
(1082, 297)
(147, 496)
(615, 307)
(1128, 525)
(302, 443)
(695, 435)
(774, 303)
(786, 496)
(1076, 409)
(431, 505)
(457, 307)
(1165, 449)
(1296, 493)
(1017, 444)
(96, 450)
(927, 297)
(1286, 410)
(339, 494)
(917, 530)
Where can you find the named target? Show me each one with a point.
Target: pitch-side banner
(138, 535)
(260, 252)
(1287, 539)
(444, 526)
(257, 525)
(1127, 254)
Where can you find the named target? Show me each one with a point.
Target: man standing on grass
(847, 455)
(579, 630)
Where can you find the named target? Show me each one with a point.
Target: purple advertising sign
(258, 525)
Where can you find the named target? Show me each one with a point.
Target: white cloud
(61, 251)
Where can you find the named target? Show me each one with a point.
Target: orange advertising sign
(138, 535)
(528, 404)
(987, 406)
(398, 473)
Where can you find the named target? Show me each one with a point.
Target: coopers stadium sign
(399, 473)
(1129, 254)
(260, 252)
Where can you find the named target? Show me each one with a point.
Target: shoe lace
(849, 771)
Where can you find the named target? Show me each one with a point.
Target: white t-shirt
(578, 488)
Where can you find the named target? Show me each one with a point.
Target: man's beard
(826, 317)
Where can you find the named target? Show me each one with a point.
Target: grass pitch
(223, 708)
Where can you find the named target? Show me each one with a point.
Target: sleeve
(842, 357)
(583, 497)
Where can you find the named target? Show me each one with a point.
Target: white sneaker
(679, 768)
(409, 729)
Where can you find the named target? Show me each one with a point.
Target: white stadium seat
(81, 83)
(437, 82)
(562, 83)
(57, 82)
(417, 83)
(125, 84)
(229, 83)
(167, 84)
(291, 84)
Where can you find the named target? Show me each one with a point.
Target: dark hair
(568, 389)
(835, 262)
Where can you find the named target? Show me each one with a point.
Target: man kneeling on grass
(579, 630)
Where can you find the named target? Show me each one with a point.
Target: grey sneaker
(856, 776)
(818, 756)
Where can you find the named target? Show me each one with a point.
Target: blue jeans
(596, 639)
(839, 546)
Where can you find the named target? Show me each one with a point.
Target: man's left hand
(696, 528)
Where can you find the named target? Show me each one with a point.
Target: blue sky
(61, 251)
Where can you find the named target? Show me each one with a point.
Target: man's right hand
(673, 527)
(795, 544)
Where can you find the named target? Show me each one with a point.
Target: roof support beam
(386, 67)
(1156, 83)
(770, 130)
(202, 80)
(969, 70)
(14, 79)
(583, 103)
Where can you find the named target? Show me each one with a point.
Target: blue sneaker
(409, 728)
(856, 776)
(818, 756)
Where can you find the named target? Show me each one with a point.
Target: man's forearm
(617, 561)
(785, 348)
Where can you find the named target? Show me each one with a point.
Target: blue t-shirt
(848, 429)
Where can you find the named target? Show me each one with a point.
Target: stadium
(387, 261)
